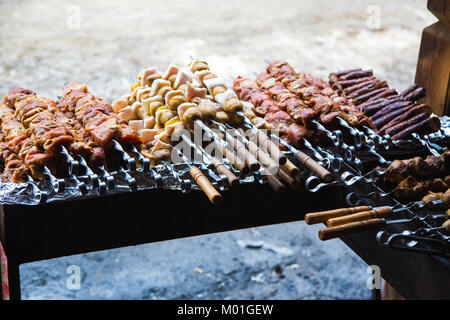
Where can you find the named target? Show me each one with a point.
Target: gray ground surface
(42, 47)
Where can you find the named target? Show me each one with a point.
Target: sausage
(360, 88)
(369, 95)
(349, 83)
(390, 116)
(405, 124)
(409, 90)
(421, 108)
(375, 106)
(413, 128)
(387, 93)
(356, 74)
(416, 94)
(334, 77)
(390, 108)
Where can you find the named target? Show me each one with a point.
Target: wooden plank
(433, 66)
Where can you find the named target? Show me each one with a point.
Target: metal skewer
(72, 163)
(129, 161)
(241, 149)
(222, 146)
(221, 180)
(185, 183)
(106, 177)
(93, 178)
(287, 172)
(309, 163)
(58, 185)
(264, 140)
(35, 191)
(145, 166)
(201, 180)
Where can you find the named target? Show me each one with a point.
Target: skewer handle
(271, 147)
(293, 182)
(274, 183)
(351, 228)
(243, 153)
(235, 161)
(203, 182)
(323, 216)
(262, 156)
(360, 216)
(290, 168)
(315, 167)
(222, 169)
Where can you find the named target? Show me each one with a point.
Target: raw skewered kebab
(165, 112)
(97, 117)
(22, 159)
(315, 93)
(291, 131)
(233, 109)
(105, 130)
(208, 111)
(262, 105)
(296, 134)
(390, 111)
(170, 111)
(20, 144)
(230, 103)
(326, 101)
(282, 81)
(49, 128)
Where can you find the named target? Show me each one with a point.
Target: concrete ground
(47, 43)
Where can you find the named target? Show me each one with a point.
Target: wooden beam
(433, 66)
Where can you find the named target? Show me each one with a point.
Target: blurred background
(47, 43)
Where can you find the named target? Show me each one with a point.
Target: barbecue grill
(92, 208)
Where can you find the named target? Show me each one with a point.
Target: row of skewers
(42, 139)
(417, 178)
(299, 105)
(353, 220)
(168, 108)
(308, 110)
(395, 114)
(83, 135)
(421, 224)
(235, 132)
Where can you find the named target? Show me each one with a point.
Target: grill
(94, 209)
(90, 208)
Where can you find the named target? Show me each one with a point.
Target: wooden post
(433, 67)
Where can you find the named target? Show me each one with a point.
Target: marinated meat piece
(296, 133)
(97, 117)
